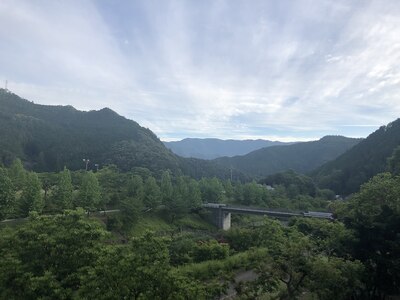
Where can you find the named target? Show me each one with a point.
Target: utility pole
(86, 161)
(6, 86)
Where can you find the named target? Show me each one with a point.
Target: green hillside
(47, 138)
(345, 174)
(300, 157)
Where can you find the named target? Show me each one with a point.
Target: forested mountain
(346, 173)
(47, 138)
(300, 157)
(213, 148)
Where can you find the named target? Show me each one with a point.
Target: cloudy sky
(286, 70)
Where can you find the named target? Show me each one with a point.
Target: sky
(288, 70)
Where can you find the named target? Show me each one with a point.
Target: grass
(154, 222)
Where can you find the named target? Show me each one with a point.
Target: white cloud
(213, 68)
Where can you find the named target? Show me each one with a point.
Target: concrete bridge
(221, 214)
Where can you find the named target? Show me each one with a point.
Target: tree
(136, 188)
(89, 193)
(44, 257)
(7, 195)
(330, 238)
(129, 213)
(374, 215)
(333, 278)
(152, 194)
(394, 162)
(63, 192)
(212, 190)
(166, 188)
(31, 198)
(194, 199)
(139, 271)
(18, 174)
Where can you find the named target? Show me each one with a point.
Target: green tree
(330, 238)
(136, 188)
(63, 192)
(166, 188)
(31, 198)
(194, 199)
(89, 193)
(43, 258)
(333, 278)
(374, 215)
(212, 190)
(7, 195)
(139, 271)
(394, 162)
(110, 181)
(129, 213)
(152, 194)
(18, 174)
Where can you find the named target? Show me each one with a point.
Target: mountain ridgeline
(347, 172)
(47, 138)
(212, 148)
(299, 157)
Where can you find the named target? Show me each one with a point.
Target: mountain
(213, 148)
(47, 138)
(347, 172)
(300, 157)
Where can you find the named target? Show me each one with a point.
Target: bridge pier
(219, 217)
(224, 220)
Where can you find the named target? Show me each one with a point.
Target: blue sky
(282, 70)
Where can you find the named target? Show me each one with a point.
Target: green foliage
(31, 198)
(111, 181)
(141, 271)
(345, 174)
(295, 183)
(43, 258)
(166, 188)
(152, 193)
(210, 250)
(47, 138)
(89, 192)
(63, 197)
(129, 213)
(394, 162)
(7, 194)
(212, 190)
(335, 278)
(374, 215)
(136, 188)
(330, 238)
(18, 174)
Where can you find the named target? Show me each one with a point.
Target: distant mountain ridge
(211, 148)
(47, 138)
(347, 172)
(300, 157)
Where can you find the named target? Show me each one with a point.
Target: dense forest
(354, 167)
(47, 138)
(67, 250)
